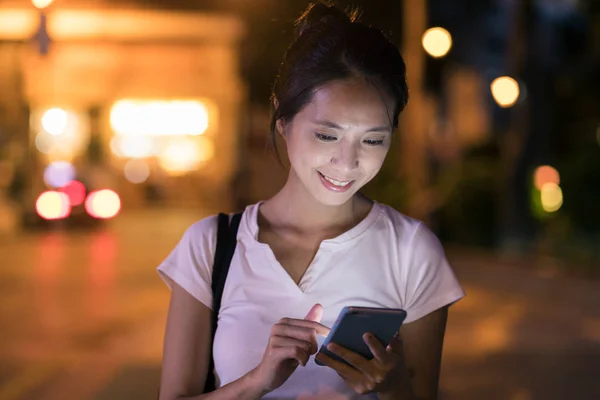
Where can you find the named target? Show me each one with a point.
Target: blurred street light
(54, 121)
(52, 205)
(437, 42)
(505, 91)
(41, 4)
(552, 197)
(136, 171)
(103, 204)
(545, 174)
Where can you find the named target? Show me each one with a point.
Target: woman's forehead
(354, 101)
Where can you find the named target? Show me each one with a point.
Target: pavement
(82, 316)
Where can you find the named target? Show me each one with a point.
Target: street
(83, 313)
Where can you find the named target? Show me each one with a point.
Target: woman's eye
(373, 142)
(325, 138)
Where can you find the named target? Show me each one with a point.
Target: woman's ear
(280, 125)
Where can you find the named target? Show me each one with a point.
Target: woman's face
(338, 142)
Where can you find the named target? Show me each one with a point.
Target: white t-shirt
(387, 260)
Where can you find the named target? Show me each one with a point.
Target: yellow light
(41, 4)
(505, 91)
(545, 174)
(103, 204)
(437, 42)
(159, 118)
(184, 155)
(53, 205)
(54, 121)
(133, 146)
(552, 197)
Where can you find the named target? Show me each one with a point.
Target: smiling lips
(335, 185)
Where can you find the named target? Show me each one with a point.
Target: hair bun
(318, 13)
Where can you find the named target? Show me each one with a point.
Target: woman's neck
(293, 207)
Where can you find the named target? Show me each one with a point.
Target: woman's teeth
(336, 183)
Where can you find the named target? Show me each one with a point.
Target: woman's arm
(186, 354)
(422, 343)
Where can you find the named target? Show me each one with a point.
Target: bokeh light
(59, 173)
(54, 121)
(545, 174)
(159, 118)
(136, 171)
(44, 142)
(505, 91)
(53, 205)
(185, 154)
(41, 4)
(133, 146)
(552, 197)
(437, 42)
(75, 191)
(103, 204)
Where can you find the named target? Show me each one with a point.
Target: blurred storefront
(146, 103)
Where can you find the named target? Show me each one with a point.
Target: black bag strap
(226, 243)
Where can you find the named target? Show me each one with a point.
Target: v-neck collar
(249, 228)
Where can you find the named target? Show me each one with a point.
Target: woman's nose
(346, 157)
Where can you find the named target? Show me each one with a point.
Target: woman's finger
(286, 341)
(354, 359)
(297, 332)
(344, 370)
(376, 348)
(316, 326)
(293, 353)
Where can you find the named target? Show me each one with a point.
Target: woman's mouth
(335, 185)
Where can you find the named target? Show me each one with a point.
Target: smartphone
(354, 322)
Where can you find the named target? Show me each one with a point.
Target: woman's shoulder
(409, 231)
(207, 226)
(397, 219)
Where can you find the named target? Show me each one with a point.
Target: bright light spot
(136, 171)
(44, 142)
(505, 91)
(42, 3)
(75, 190)
(184, 155)
(55, 121)
(437, 42)
(59, 173)
(133, 146)
(545, 174)
(53, 205)
(552, 197)
(159, 118)
(103, 204)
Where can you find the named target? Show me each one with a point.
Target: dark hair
(332, 45)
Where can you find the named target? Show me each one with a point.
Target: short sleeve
(431, 282)
(190, 262)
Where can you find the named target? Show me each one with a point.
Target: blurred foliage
(471, 189)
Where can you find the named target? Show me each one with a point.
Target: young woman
(317, 245)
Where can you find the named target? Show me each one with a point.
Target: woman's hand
(381, 374)
(291, 344)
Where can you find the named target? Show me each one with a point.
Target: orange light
(103, 204)
(52, 205)
(75, 190)
(545, 174)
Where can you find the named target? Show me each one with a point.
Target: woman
(317, 245)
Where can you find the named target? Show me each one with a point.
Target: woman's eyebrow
(331, 124)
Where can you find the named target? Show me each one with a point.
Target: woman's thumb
(315, 313)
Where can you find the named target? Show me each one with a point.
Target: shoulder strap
(226, 243)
